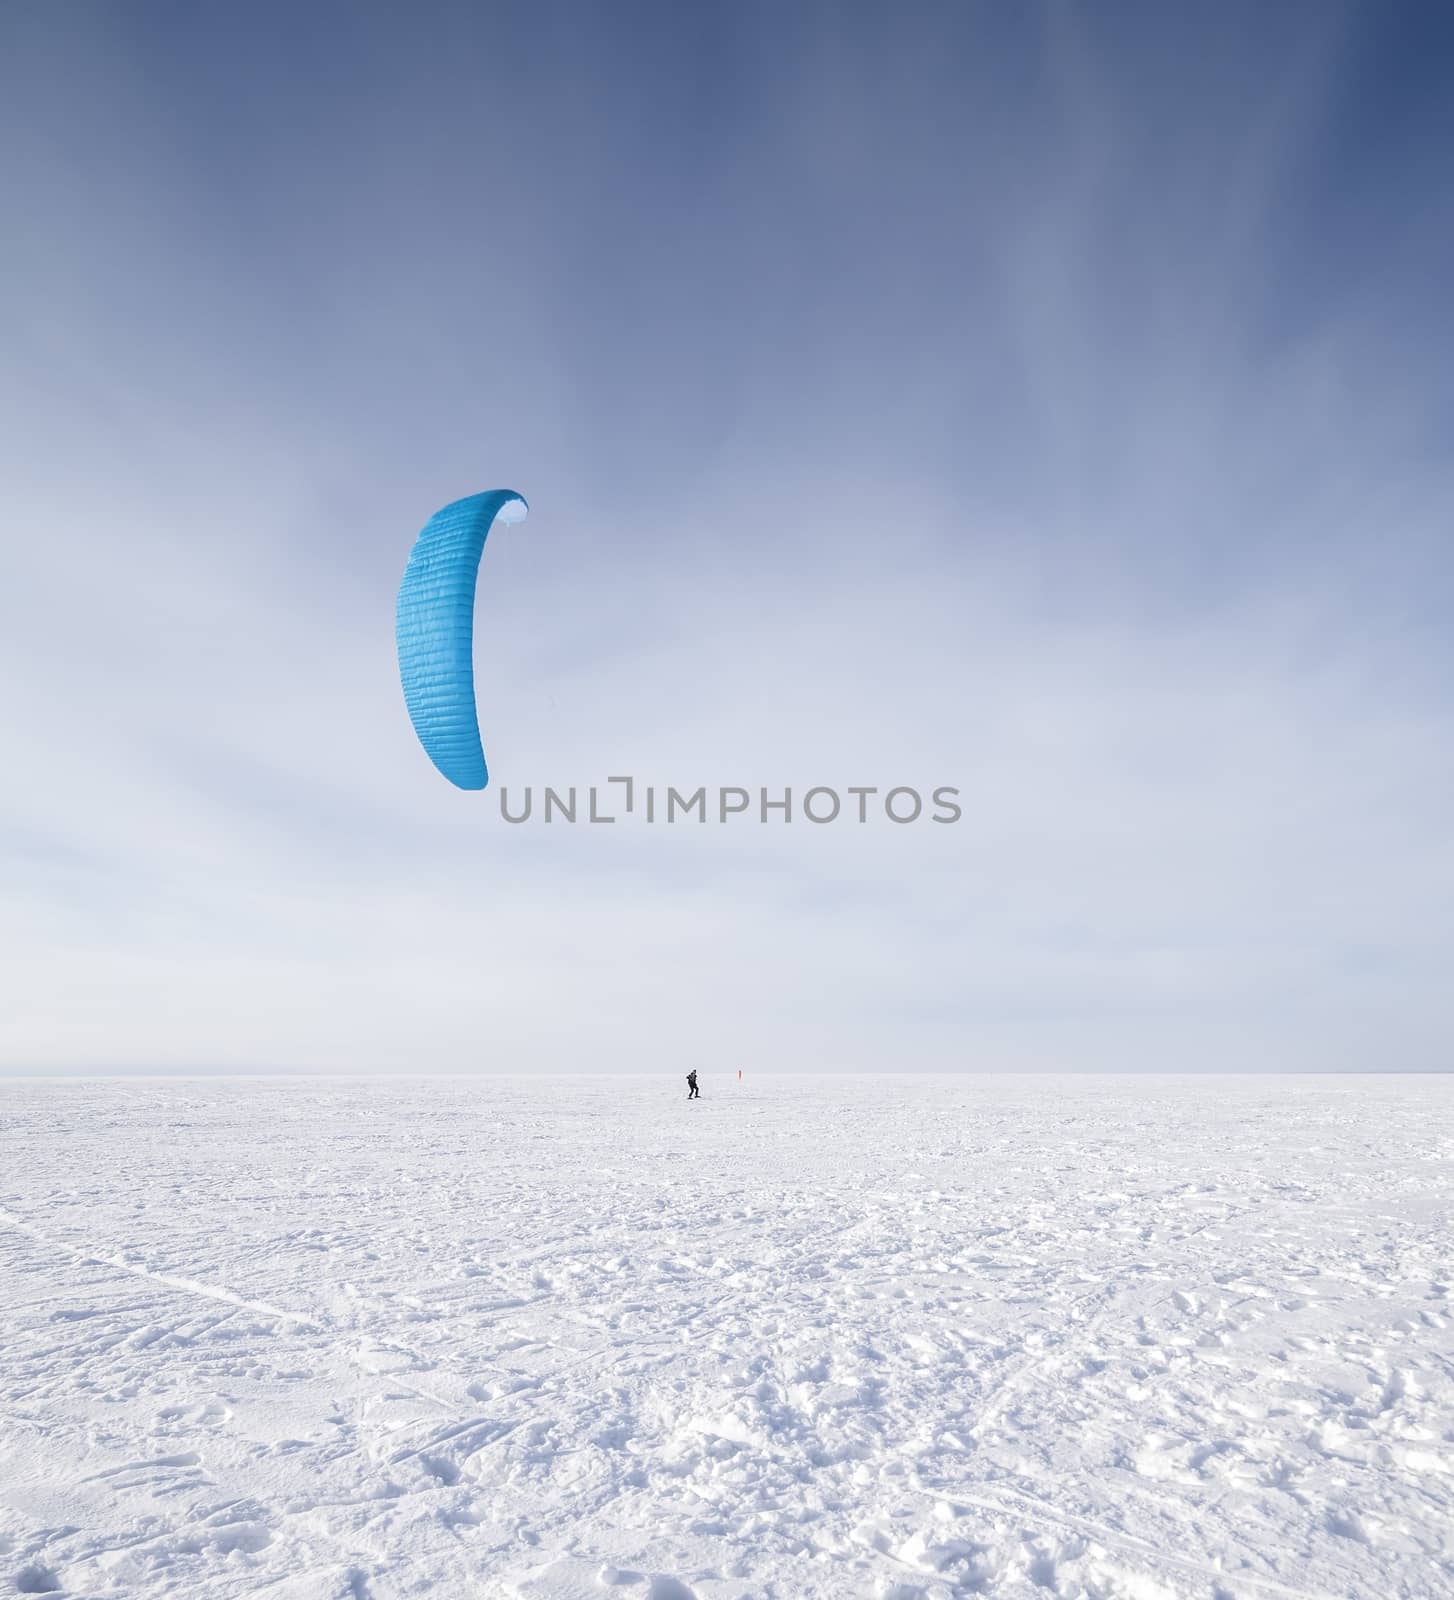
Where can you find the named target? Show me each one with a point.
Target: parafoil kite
(434, 631)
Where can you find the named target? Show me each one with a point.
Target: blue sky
(1052, 402)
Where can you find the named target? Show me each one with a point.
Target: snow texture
(806, 1339)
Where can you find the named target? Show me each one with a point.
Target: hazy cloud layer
(1055, 404)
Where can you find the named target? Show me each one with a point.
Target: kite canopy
(434, 631)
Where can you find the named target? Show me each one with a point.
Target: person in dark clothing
(693, 1093)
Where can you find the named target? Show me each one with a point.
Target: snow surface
(582, 1340)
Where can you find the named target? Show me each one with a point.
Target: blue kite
(434, 629)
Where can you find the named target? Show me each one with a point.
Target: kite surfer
(693, 1093)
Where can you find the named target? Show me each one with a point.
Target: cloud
(1008, 443)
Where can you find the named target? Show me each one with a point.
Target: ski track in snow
(905, 1338)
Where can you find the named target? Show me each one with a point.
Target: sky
(1054, 403)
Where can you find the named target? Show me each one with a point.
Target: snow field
(807, 1339)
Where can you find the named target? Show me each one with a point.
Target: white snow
(803, 1338)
